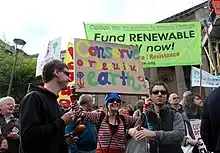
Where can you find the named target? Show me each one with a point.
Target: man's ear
(56, 73)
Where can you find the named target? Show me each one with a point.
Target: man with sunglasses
(175, 102)
(41, 123)
(163, 126)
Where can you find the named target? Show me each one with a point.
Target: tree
(24, 74)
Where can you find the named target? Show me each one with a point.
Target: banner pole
(84, 24)
(200, 79)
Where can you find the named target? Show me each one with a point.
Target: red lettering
(122, 51)
(115, 66)
(70, 65)
(92, 51)
(66, 100)
(79, 62)
(196, 127)
(66, 91)
(104, 66)
(71, 76)
(91, 63)
(70, 49)
(133, 68)
(197, 133)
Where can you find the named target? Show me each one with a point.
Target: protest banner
(64, 95)
(103, 67)
(53, 52)
(208, 80)
(160, 45)
(196, 124)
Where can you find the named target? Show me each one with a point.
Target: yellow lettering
(137, 66)
(110, 67)
(127, 66)
(120, 65)
(115, 53)
(98, 64)
(78, 48)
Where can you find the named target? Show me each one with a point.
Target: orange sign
(64, 95)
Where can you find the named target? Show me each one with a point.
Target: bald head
(174, 99)
(86, 101)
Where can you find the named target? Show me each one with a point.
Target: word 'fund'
(142, 37)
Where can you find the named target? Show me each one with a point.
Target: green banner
(160, 45)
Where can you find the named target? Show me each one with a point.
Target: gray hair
(171, 95)
(83, 99)
(4, 99)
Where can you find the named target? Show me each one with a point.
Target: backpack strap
(101, 118)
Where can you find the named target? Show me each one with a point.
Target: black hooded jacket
(41, 126)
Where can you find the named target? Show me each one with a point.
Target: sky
(39, 21)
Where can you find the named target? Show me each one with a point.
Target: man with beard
(41, 124)
(162, 125)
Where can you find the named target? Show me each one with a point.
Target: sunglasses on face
(113, 100)
(156, 92)
(174, 98)
(66, 73)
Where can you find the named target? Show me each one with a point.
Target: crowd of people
(44, 126)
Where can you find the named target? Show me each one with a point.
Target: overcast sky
(39, 21)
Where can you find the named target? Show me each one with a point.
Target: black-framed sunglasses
(156, 92)
(65, 72)
(113, 100)
(174, 98)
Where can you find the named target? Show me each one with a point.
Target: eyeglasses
(156, 92)
(113, 100)
(66, 73)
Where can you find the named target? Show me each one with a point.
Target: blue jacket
(87, 141)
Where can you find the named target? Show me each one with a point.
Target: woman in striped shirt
(110, 125)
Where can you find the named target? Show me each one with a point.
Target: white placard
(208, 80)
(53, 52)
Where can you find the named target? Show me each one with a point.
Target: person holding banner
(192, 110)
(111, 127)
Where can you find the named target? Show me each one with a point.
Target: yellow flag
(64, 95)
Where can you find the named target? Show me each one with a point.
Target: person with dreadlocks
(111, 127)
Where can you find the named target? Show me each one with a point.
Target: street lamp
(21, 43)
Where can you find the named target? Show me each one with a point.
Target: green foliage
(24, 74)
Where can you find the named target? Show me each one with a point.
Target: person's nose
(159, 94)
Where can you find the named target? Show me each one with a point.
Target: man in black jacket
(41, 124)
(210, 125)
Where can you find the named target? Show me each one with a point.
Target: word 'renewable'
(106, 52)
(144, 37)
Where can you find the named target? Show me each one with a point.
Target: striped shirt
(107, 143)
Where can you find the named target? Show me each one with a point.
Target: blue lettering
(103, 78)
